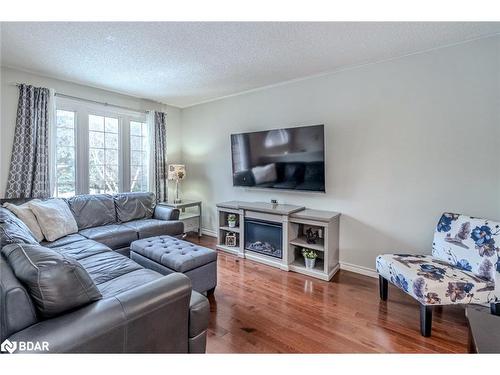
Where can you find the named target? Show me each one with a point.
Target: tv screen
(290, 158)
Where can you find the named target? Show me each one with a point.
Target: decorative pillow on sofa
(24, 213)
(54, 217)
(56, 283)
(13, 230)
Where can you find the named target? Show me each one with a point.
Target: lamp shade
(176, 172)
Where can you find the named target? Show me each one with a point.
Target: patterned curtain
(29, 164)
(160, 156)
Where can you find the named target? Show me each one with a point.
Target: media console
(275, 234)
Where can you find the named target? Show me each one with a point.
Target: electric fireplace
(264, 237)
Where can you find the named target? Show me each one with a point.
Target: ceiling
(184, 63)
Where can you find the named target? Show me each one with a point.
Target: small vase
(231, 224)
(310, 262)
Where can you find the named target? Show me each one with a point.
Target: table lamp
(176, 172)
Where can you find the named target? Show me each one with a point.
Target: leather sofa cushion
(114, 236)
(82, 249)
(152, 227)
(126, 281)
(108, 265)
(93, 210)
(134, 206)
(178, 255)
(13, 230)
(111, 272)
(66, 240)
(16, 308)
(55, 282)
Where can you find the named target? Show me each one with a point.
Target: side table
(190, 214)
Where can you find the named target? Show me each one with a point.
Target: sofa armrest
(199, 317)
(152, 318)
(166, 213)
(199, 314)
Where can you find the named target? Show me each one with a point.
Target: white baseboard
(209, 232)
(343, 265)
(358, 269)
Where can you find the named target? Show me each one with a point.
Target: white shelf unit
(326, 247)
(224, 229)
(229, 229)
(294, 220)
(301, 241)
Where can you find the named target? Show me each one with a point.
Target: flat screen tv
(289, 158)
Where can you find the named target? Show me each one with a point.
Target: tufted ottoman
(166, 254)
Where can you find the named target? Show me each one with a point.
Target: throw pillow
(54, 217)
(24, 213)
(55, 282)
(13, 230)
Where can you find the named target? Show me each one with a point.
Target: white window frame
(82, 110)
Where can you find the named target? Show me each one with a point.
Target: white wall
(9, 97)
(406, 140)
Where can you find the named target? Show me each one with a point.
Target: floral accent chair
(464, 267)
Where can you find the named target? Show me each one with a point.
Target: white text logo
(8, 346)
(24, 346)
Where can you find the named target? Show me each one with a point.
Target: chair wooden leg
(495, 308)
(383, 286)
(425, 320)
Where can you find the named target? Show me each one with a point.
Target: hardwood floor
(260, 309)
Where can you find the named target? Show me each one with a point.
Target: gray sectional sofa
(139, 310)
(118, 220)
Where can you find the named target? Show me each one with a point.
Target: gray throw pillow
(13, 230)
(56, 283)
(23, 212)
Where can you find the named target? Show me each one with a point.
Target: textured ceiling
(183, 63)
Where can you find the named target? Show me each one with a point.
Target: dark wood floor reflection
(259, 309)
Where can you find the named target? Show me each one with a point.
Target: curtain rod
(101, 103)
(61, 95)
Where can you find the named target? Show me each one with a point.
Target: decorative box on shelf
(234, 245)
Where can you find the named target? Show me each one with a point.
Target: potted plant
(309, 257)
(231, 220)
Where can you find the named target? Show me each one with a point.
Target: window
(139, 175)
(98, 150)
(104, 150)
(65, 151)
